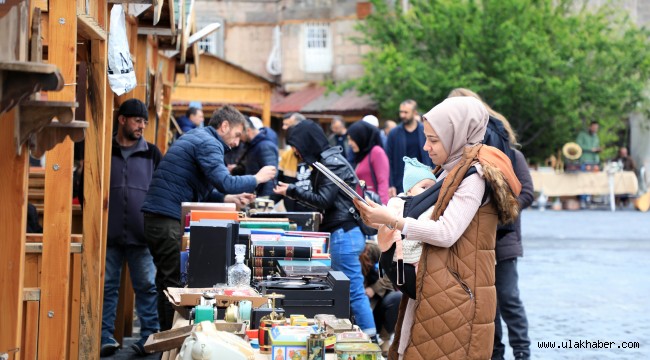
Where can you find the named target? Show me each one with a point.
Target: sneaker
(138, 347)
(109, 347)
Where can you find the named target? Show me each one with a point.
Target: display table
(583, 183)
(180, 321)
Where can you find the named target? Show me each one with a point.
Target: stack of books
(265, 254)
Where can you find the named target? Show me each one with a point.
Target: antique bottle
(239, 274)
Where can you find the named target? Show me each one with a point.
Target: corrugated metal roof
(297, 100)
(322, 103)
(315, 100)
(350, 100)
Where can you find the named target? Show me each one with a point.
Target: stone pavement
(585, 276)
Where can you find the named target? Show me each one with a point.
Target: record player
(311, 295)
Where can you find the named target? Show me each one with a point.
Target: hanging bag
(121, 75)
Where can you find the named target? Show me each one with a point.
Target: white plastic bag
(121, 75)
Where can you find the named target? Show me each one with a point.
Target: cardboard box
(192, 296)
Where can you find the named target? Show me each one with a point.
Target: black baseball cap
(133, 108)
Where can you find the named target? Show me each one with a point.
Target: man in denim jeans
(132, 165)
(310, 144)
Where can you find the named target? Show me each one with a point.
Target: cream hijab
(458, 122)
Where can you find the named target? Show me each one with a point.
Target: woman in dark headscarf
(347, 242)
(371, 160)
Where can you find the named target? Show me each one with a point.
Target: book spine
(270, 261)
(264, 271)
(300, 252)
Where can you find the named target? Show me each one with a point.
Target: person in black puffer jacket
(346, 242)
(508, 248)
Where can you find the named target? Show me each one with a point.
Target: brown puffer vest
(454, 318)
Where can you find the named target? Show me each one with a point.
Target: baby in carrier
(417, 179)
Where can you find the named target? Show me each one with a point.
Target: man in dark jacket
(407, 139)
(193, 169)
(508, 249)
(261, 150)
(193, 118)
(133, 162)
(346, 242)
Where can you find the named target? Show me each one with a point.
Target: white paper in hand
(121, 75)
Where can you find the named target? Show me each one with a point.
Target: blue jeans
(345, 248)
(143, 273)
(511, 309)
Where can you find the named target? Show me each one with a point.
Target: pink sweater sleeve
(381, 168)
(459, 213)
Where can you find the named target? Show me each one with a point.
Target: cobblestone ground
(585, 276)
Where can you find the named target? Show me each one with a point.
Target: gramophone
(572, 153)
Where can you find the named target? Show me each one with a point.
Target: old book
(281, 249)
(269, 261)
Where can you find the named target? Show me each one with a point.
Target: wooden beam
(221, 93)
(266, 107)
(38, 238)
(207, 30)
(163, 124)
(155, 31)
(89, 29)
(57, 223)
(37, 248)
(130, 2)
(29, 348)
(13, 220)
(140, 92)
(57, 220)
(99, 109)
(42, 4)
(31, 294)
(75, 306)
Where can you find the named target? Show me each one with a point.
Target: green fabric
(587, 142)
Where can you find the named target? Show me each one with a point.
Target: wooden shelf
(34, 115)
(20, 79)
(54, 133)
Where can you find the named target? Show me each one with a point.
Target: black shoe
(138, 347)
(109, 347)
(521, 356)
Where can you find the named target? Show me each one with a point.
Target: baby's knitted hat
(414, 172)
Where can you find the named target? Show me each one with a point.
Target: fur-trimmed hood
(499, 174)
(504, 185)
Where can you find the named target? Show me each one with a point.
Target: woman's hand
(373, 214)
(281, 188)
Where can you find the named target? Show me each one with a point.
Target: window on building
(213, 43)
(317, 48)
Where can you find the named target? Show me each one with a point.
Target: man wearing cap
(261, 150)
(133, 161)
(193, 170)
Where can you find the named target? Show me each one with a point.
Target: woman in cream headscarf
(452, 313)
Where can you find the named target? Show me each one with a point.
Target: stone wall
(249, 35)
